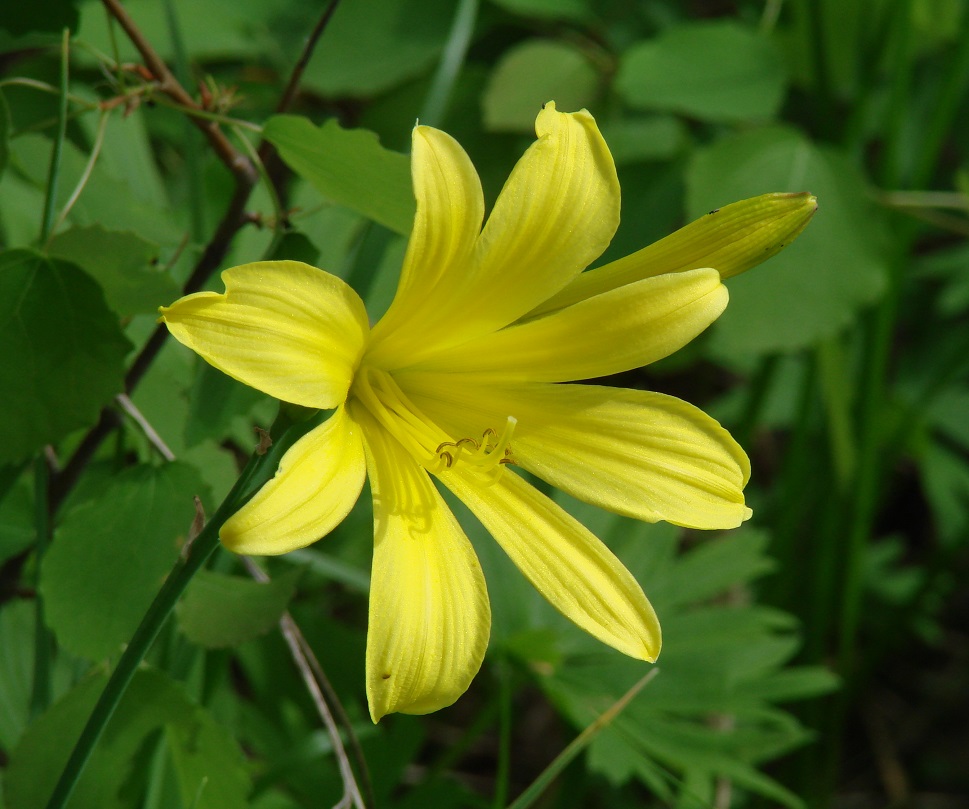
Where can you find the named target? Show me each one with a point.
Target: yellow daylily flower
(463, 379)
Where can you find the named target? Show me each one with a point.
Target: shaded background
(817, 656)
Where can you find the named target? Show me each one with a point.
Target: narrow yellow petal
(318, 481)
(450, 210)
(283, 327)
(646, 455)
(556, 214)
(565, 562)
(731, 239)
(429, 613)
(621, 329)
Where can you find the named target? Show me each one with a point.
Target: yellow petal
(557, 213)
(565, 562)
(621, 329)
(731, 239)
(450, 209)
(646, 455)
(429, 612)
(282, 327)
(318, 481)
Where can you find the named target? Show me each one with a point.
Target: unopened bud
(731, 240)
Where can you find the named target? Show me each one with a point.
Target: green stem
(40, 695)
(53, 174)
(456, 49)
(503, 768)
(836, 397)
(259, 469)
(578, 744)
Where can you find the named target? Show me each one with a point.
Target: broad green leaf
(105, 198)
(215, 401)
(63, 352)
(111, 554)
(242, 29)
(127, 153)
(51, 15)
(633, 140)
(208, 766)
(347, 166)
(716, 564)
(531, 73)
(373, 45)
(715, 71)
(122, 263)
(295, 246)
(17, 637)
(220, 610)
(815, 287)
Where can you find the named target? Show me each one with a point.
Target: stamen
(382, 396)
(487, 456)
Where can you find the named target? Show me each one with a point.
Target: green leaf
(296, 246)
(111, 553)
(215, 401)
(714, 565)
(209, 767)
(17, 518)
(124, 265)
(51, 15)
(718, 659)
(531, 73)
(347, 166)
(715, 71)
(63, 352)
(106, 198)
(945, 477)
(242, 29)
(18, 628)
(815, 287)
(633, 140)
(373, 45)
(220, 610)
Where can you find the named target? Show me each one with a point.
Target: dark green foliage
(805, 654)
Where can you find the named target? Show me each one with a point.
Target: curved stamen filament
(488, 454)
(428, 443)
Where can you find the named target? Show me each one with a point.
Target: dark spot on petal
(385, 676)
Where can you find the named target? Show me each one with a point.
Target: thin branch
(232, 221)
(292, 86)
(151, 434)
(236, 162)
(302, 654)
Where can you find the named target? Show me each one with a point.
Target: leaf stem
(188, 564)
(459, 38)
